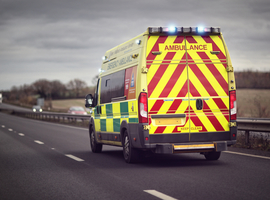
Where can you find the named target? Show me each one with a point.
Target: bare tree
(22, 95)
(58, 89)
(94, 80)
(76, 85)
(27, 89)
(14, 93)
(43, 88)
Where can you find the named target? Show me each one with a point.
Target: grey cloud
(260, 7)
(64, 39)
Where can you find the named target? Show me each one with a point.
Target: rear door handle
(199, 104)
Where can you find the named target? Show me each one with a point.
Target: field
(250, 103)
(253, 103)
(64, 105)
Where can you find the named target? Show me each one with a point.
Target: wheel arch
(91, 123)
(124, 127)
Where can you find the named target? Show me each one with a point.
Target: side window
(105, 92)
(112, 87)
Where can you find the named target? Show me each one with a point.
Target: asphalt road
(40, 160)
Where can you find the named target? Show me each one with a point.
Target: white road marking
(10, 129)
(244, 154)
(20, 134)
(39, 142)
(51, 124)
(74, 157)
(159, 195)
(3, 126)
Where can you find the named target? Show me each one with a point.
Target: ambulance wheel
(95, 147)
(212, 155)
(131, 155)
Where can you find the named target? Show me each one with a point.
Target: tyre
(212, 155)
(95, 147)
(131, 155)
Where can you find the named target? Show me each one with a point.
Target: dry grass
(256, 141)
(253, 103)
(65, 104)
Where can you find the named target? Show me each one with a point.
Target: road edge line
(245, 154)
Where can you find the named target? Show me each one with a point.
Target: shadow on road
(114, 159)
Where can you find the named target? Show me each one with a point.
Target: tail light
(233, 108)
(143, 108)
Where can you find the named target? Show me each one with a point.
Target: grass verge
(256, 141)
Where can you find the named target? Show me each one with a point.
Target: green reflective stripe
(113, 114)
(109, 110)
(103, 125)
(133, 120)
(96, 116)
(116, 125)
(124, 109)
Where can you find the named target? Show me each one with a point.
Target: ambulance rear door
(167, 79)
(208, 88)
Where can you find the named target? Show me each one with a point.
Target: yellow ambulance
(169, 90)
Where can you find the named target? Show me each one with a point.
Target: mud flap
(164, 149)
(221, 146)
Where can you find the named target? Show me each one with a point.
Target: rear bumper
(189, 147)
(169, 143)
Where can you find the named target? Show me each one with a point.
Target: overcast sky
(66, 39)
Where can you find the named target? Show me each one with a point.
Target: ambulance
(169, 90)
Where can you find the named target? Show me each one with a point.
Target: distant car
(77, 110)
(37, 109)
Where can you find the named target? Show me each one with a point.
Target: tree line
(43, 88)
(76, 88)
(252, 80)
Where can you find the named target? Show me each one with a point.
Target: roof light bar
(154, 29)
(200, 30)
(207, 29)
(186, 29)
(215, 30)
(168, 29)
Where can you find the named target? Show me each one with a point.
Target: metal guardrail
(48, 115)
(243, 124)
(255, 125)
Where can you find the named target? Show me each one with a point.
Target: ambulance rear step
(191, 147)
